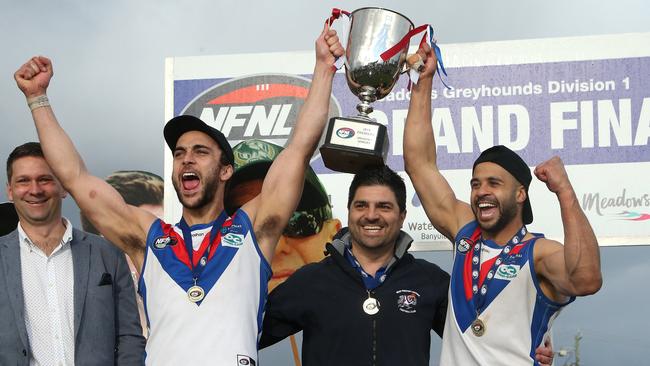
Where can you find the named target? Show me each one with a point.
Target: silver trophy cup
(356, 142)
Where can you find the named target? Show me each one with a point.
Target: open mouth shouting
(486, 209)
(190, 181)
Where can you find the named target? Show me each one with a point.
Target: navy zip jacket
(325, 299)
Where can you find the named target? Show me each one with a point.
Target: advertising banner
(585, 99)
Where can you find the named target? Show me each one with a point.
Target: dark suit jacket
(106, 325)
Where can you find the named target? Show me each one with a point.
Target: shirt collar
(24, 239)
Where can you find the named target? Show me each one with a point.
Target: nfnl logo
(463, 245)
(345, 132)
(260, 106)
(163, 241)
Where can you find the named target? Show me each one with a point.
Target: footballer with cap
(204, 279)
(507, 284)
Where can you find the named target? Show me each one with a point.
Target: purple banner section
(187, 90)
(586, 112)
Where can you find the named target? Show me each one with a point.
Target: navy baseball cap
(513, 164)
(177, 126)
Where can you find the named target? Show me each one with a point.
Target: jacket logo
(407, 301)
(163, 241)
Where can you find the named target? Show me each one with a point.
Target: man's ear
(521, 194)
(331, 226)
(226, 172)
(10, 193)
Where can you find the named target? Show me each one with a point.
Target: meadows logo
(345, 132)
(626, 206)
(232, 240)
(507, 272)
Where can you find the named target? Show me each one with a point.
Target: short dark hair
(379, 176)
(137, 187)
(27, 149)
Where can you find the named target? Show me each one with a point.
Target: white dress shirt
(48, 292)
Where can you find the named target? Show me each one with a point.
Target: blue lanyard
(187, 238)
(480, 295)
(369, 281)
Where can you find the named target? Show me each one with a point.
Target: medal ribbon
(403, 43)
(187, 238)
(426, 38)
(336, 14)
(480, 294)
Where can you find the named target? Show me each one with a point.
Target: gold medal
(371, 306)
(478, 327)
(195, 293)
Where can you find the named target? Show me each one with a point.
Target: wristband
(38, 102)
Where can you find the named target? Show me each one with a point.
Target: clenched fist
(328, 46)
(552, 173)
(34, 76)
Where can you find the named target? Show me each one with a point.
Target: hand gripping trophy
(375, 56)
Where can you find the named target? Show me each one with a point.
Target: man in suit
(66, 297)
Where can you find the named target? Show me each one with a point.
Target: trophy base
(352, 144)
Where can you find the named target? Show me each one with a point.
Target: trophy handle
(414, 61)
(336, 14)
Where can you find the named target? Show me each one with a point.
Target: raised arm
(282, 186)
(572, 269)
(125, 226)
(444, 210)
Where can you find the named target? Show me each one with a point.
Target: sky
(108, 94)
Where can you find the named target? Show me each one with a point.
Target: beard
(206, 195)
(507, 213)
